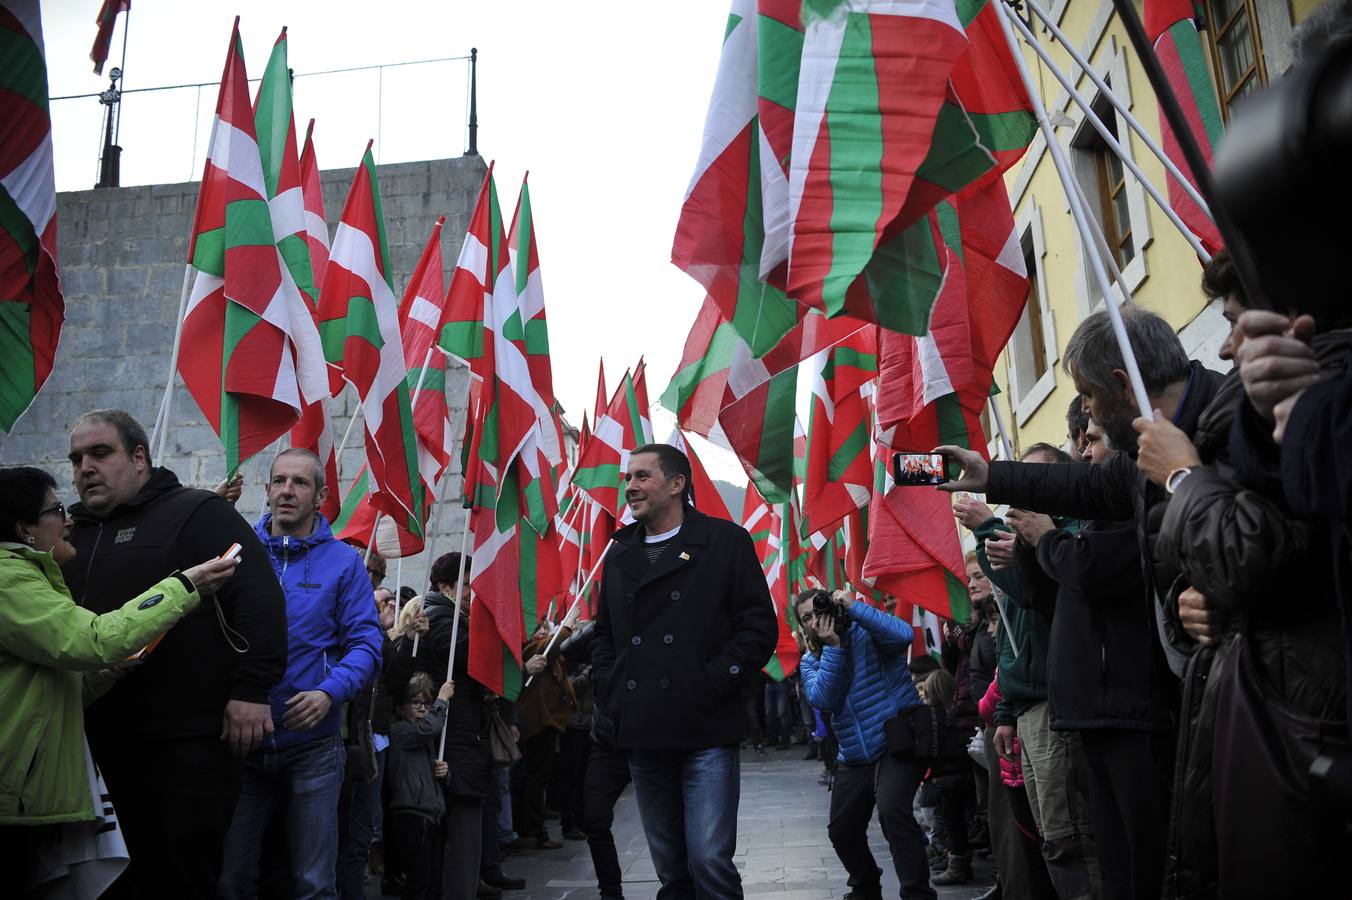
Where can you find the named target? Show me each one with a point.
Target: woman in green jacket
(53, 655)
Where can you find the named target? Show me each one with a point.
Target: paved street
(782, 849)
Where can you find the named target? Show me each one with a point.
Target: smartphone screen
(912, 469)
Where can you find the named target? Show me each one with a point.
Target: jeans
(301, 783)
(890, 783)
(358, 817)
(778, 712)
(506, 833)
(687, 800)
(606, 778)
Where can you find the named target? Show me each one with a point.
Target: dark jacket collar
(160, 482)
(630, 557)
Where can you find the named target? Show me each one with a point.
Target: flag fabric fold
(32, 309)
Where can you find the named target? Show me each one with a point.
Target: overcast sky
(603, 103)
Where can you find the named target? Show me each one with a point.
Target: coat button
(664, 683)
(631, 684)
(629, 597)
(734, 670)
(675, 595)
(636, 640)
(667, 639)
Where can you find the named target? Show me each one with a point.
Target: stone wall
(121, 254)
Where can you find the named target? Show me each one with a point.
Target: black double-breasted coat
(676, 639)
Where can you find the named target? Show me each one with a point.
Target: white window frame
(1026, 398)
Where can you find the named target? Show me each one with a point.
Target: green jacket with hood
(50, 654)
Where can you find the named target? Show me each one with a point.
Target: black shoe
(573, 834)
(858, 894)
(500, 880)
(811, 752)
(548, 844)
(520, 845)
(553, 815)
(995, 893)
(784, 745)
(487, 892)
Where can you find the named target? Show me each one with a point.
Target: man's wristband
(1176, 478)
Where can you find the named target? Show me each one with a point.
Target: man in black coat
(685, 620)
(164, 735)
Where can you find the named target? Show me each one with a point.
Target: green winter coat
(46, 642)
(1022, 677)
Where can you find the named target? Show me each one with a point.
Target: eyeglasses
(419, 704)
(59, 509)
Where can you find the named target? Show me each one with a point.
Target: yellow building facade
(1247, 44)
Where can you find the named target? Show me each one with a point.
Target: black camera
(824, 608)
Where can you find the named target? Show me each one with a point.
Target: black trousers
(890, 784)
(606, 778)
(1128, 797)
(956, 799)
(571, 769)
(530, 777)
(414, 841)
(174, 801)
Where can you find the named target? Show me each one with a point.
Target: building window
(1236, 49)
(1111, 183)
(1032, 353)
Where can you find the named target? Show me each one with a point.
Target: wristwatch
(1176, 478)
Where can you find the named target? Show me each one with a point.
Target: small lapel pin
(685, 556)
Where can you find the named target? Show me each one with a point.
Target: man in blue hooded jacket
(861, 678)
(333, 649)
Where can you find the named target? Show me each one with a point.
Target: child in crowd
(416, 800)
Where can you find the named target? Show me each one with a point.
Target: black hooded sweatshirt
(180, 691)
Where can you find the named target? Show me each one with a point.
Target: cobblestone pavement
(782, 849)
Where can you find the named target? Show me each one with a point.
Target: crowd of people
(1149, 699)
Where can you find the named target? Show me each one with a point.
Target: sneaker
(487, 892)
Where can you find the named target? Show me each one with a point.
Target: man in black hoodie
(165, 734)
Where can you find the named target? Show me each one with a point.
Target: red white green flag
(528, 330)
(733, 232)
(316, 223)
(314, 431)
(107, 21)
(517, 572)
(256, 357)
(622, 427)
(839, 467)
(31, 306)
(357, 517)
(359, 323)
(932, 388)
(420, 319)
(899, 104)
(704, 493)
(1171, 26)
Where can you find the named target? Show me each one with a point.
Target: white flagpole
(1078, 213)
(576, 600)
(1118, 105)
(460, 590)
(1111, 141)
(158, 436)
(429, 539)
(1000, 428)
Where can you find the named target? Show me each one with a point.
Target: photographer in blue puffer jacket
(856, 670)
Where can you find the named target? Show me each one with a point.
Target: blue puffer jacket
(333, 635)
(862, 683)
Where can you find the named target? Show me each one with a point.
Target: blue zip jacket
(863, 682)
(333, 635)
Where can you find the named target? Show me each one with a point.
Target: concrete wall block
(83, 281)
(128, 281)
